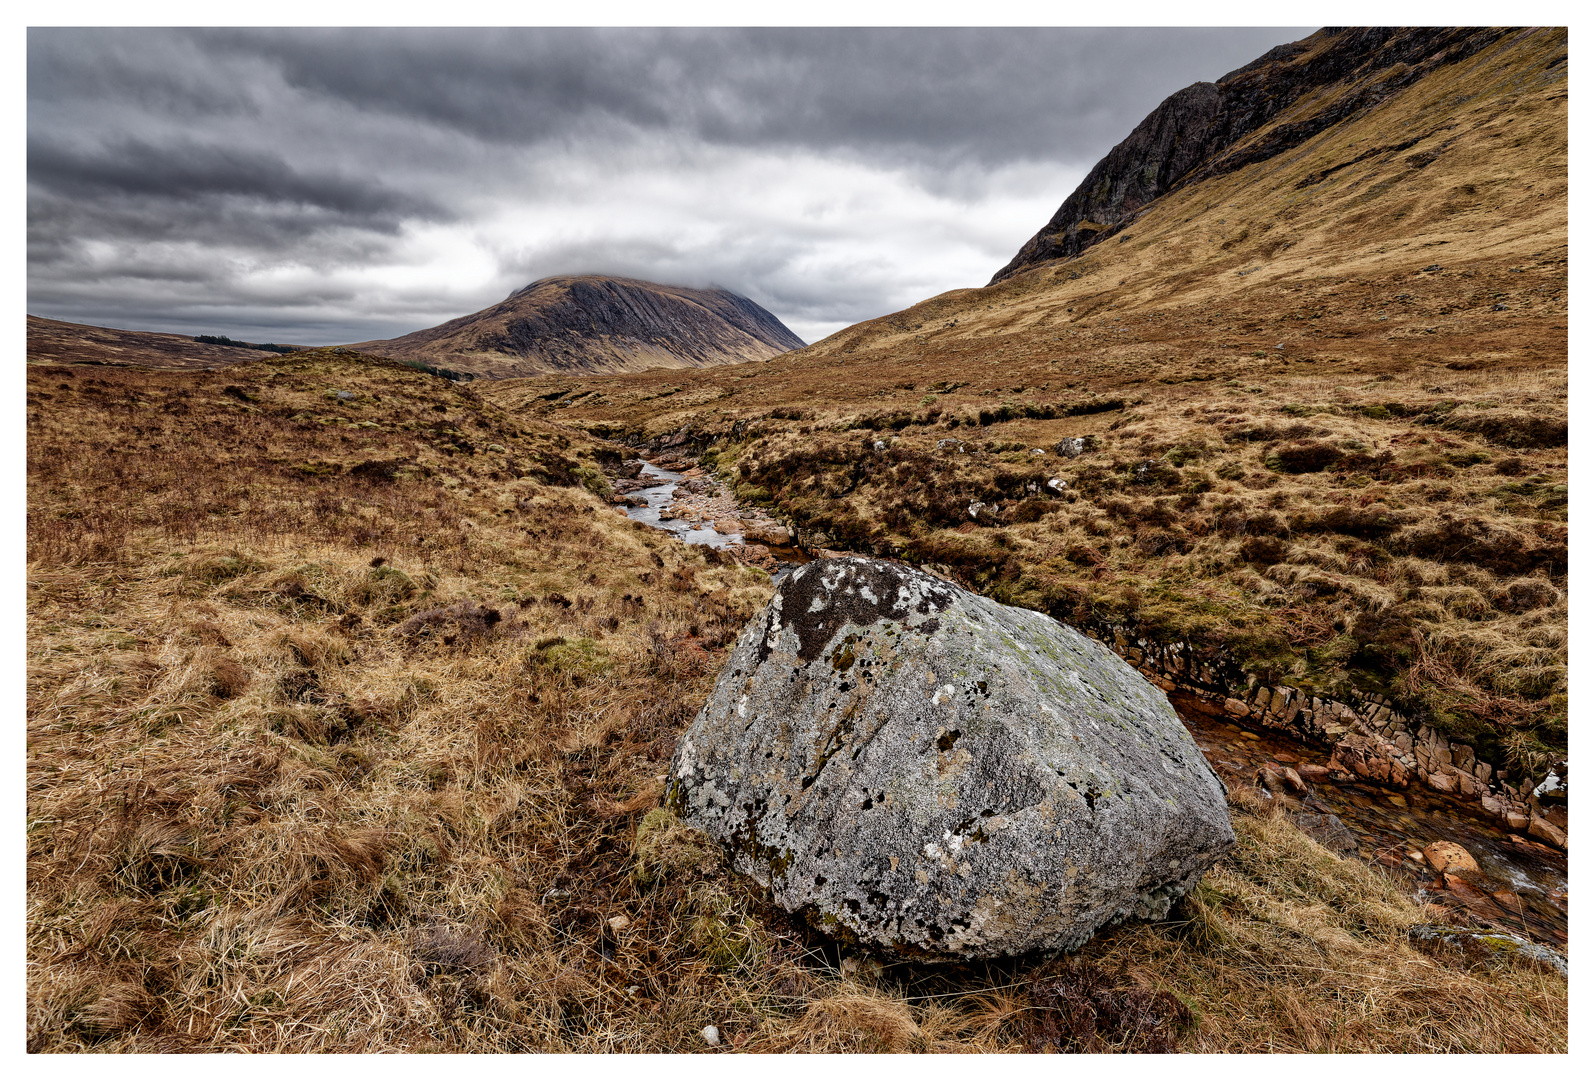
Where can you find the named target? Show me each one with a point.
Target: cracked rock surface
(932, 773)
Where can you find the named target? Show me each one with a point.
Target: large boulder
(930, 772)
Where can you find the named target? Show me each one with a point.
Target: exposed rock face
(598, 324)
(941, 775)
(1204, 130)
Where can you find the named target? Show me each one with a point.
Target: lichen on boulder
(926, 771)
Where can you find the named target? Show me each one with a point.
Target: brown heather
(344, 730)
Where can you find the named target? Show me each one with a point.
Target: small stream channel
(660, 497)
(1522, 887)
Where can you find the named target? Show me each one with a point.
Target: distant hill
(595, 324)
(64, 342)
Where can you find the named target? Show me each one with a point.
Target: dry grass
(1290, 948)
(345, 715)
(1380, 503)
(1315, 533)
(311, 767)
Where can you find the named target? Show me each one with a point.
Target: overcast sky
(322, 186)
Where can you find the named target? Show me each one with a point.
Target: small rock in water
(711, 1035)
(778, 535)
(1328, 830)
(1543, 830)
(1280, 778)
(1448, 857)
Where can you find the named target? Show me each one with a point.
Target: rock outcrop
(930, 772)
(593, 324)
(1206, 129)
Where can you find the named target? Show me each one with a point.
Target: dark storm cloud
(361, 183)
(185, 170)
(999, 93)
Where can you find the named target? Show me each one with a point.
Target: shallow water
(1524, 889)
(787, 557)
(662, 495)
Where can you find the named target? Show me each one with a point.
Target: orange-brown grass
(1329, 415)
(332, 756)
(1397, 532)
(1286, 947)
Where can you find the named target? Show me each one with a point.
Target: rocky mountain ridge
(1271, 105)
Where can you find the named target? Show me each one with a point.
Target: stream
(1521, 887)
(662, 495)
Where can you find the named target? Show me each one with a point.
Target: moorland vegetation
(346, 717)
(349, 691)
(1311, 414)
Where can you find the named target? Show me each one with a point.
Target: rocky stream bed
(1499, 881)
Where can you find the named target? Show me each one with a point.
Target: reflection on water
(785, 557)
(1522, 887)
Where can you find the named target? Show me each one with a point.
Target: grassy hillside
(349, 691)
(1316, 413)
(345, 719)
(50, 340)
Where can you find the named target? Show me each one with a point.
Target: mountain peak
(590, 323)
(1275, 103)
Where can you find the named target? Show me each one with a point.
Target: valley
(353, 690)
(1314, 463)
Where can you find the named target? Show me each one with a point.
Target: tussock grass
(291, 787)
(1380, 561)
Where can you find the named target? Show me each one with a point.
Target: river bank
(1517, 885)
